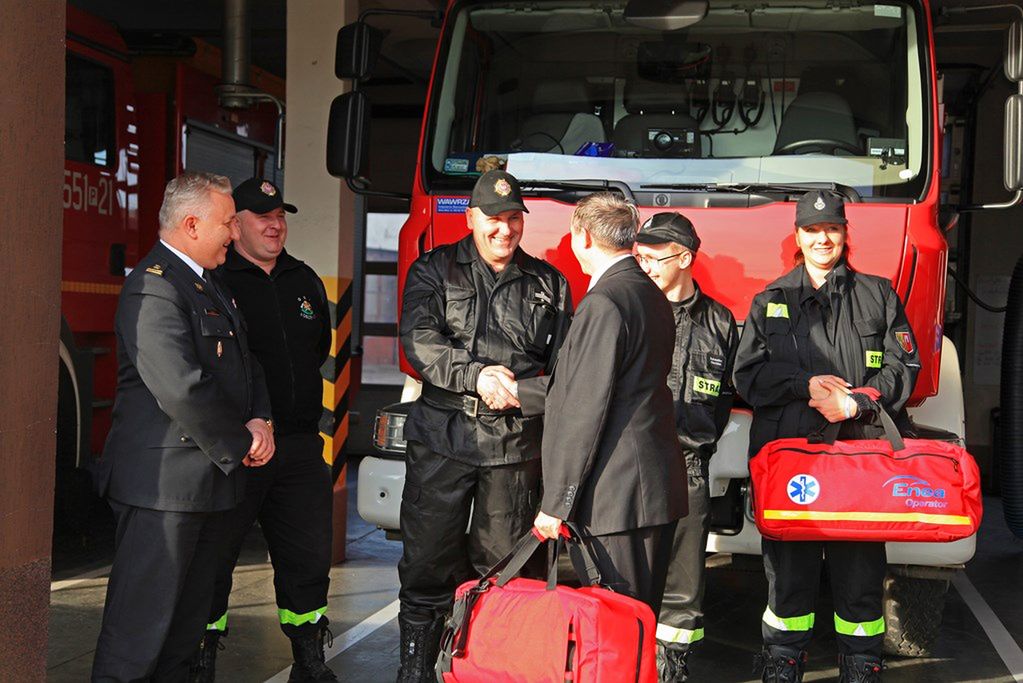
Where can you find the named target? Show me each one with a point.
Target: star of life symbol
(502, 187)
(267, 188)
(803, 489)
(819, 204)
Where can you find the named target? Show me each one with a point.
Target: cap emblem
(267, 188)
(502, 187)
(819, 204)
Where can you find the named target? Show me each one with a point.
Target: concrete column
(32, 156)
(322, 232)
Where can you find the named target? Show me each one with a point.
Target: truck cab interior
(767, 86)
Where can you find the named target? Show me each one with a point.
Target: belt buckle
(471, 406)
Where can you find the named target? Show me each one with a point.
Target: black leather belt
(471, 405)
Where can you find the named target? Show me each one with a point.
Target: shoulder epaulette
(157, 269)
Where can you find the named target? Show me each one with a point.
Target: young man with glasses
(701, 387)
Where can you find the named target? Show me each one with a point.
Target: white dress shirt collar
(186, 258)
(600, 273)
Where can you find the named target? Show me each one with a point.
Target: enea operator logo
(917, 492)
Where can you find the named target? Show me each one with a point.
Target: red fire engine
(134, 118)
(727, 112)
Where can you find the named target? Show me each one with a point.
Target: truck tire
(913, 609)
(1010, 470)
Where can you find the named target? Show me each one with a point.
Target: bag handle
(582, 559)
(829, 433)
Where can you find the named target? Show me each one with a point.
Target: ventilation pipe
(234, 89)
(236, 55)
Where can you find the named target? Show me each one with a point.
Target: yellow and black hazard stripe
(336, 374)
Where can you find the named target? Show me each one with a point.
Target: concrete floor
(363, 607)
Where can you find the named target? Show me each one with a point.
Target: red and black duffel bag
(891, 489)
(504, 629)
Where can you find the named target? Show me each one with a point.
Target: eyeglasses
(644, 260)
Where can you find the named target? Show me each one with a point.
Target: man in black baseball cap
(701, 386)
(475, 316)
(287, 313)
(820, 206)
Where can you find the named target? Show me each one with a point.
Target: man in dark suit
(611, 461)
(191, 407)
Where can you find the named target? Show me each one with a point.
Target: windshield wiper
(605, 185)
(847, 191)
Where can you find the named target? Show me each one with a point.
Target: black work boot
(420, 645)
(780, 664)
(672, 664)
(309, 666)
(863, 668)
(204, 666)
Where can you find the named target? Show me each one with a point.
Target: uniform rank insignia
(220, 349)
(156, 269)
(905, 340)
(819, 204)
(305, 309)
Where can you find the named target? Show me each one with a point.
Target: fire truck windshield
(766, 92)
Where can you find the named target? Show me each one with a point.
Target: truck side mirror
(358, 46)
(1013, 170)
(1014, 52)
(348, 135)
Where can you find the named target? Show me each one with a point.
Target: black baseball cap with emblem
(497, 191)
(259, 196)
(669, 226)
(820, 206)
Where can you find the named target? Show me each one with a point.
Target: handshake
(497, 387)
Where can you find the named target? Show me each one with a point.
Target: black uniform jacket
(288, 325)
(186, 386)
(611, 460)
(867, 342)
(701, 372)
(458, 316)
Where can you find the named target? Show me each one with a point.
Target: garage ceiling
(975, 38)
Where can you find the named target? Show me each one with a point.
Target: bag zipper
(955, 462)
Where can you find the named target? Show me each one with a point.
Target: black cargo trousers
(292, 498)
(442, 498)
(680, 621)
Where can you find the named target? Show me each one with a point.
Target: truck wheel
(912, 612)
(1010, 425)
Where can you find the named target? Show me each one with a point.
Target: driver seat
(562, 118)
(817, 116)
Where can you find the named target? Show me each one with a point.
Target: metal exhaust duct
(236, 55)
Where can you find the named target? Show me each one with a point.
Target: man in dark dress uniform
(191, 408)
(285, 308)
(473, 312)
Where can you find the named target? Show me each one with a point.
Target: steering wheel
(826, 145)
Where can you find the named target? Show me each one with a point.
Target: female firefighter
(819, 344)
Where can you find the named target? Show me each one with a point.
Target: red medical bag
(505, 629)
(865, 490)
